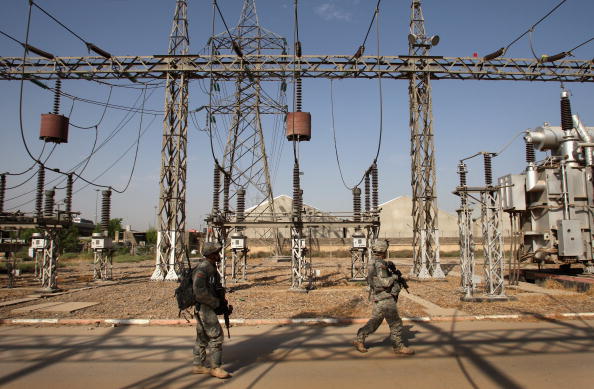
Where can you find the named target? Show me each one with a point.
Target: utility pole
(423, 178)
(170, 252)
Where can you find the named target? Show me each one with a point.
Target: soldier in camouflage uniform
(384, 290)
(209, 293)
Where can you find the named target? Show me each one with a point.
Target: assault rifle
(224, 309)
(401, 280)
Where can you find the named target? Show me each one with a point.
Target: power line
(10, 37)
(503, 50)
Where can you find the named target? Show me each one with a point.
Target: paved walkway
(511, 355)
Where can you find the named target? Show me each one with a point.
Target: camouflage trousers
(209, 338)
(383, 309)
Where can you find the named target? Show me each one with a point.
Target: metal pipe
(564, 189)
(581, 130)
(532, 182)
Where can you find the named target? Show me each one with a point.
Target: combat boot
(360, 346)
(199, 369)
(219, 372)
(403, 350)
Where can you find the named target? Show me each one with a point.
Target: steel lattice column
(172, 198)
(423, 181)
(491, 217)
(245, 158)
(301, 274)
(49, 262)
(466, 247)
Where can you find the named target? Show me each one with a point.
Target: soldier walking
(384, 290)
(209, 294)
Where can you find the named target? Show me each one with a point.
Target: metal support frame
(491, 223)
(515, 252)
(102, 264)
(301, 270)
(426, 263)
(49, 262)
(358, 264)
(239, 264)
(467, 260)
(171, 250)
(274, 67)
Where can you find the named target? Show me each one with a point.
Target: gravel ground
(266, 294)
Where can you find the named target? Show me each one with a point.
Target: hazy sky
(469, 116)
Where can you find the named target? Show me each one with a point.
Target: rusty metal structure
(418, 67)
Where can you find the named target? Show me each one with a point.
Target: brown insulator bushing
(226, 184)
(105, 209)
(240, 205)
(48, 209)
(298, 126)
(54, 128)
(69, 198)
(216, 187)
(367, 193)
(298, 94)
(530, 157)
(374, 187)
(39, 194)
(357, 204)
(296, 192)
(488, 169)
(566, 120)
(57, 91)
(2, 191)
(462, 173)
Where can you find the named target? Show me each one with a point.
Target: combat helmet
(211, 248)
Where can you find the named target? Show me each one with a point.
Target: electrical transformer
(553, 197)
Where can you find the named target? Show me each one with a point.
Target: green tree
(115, 225)
(69, 242)
(151, 236)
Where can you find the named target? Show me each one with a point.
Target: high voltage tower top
(170, 252)
(248, 68)
(245, 162)
(424, 195)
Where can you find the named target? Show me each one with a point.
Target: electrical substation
(549, 204)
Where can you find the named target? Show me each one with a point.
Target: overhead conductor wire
(381, 112)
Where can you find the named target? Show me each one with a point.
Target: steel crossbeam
(275, 67)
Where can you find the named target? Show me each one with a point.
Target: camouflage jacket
(381, 281)
(206, 282)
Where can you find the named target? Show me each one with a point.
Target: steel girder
(275, 67)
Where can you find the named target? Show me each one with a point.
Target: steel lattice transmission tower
(423, 177)
(170, 252)
(245, 158)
